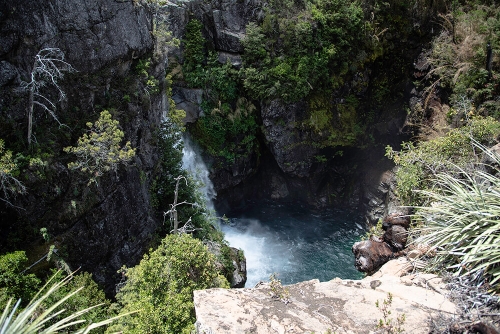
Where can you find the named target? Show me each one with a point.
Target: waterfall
(192, 162)
(286, 239)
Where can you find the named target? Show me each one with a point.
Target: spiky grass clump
(40, 318)
(463, 221)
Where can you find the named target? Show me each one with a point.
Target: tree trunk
(30, 115)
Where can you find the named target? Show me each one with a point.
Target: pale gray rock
(341, 306)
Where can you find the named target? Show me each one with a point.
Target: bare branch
(48, 68)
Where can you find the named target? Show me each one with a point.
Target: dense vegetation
(311, 51)
(449, 175)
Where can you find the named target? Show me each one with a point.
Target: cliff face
(297, 161)
(108, 225)
(112, 224)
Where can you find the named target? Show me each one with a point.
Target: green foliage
(9, 184)
(14, 283)
(168, 168)
(99, 151)
(90, 294)
(194, 53)
(375, 230)
(39, 314)
(162, 286)
(387, 324)
(297, 48)
(417, 164)
(227, 132)
(277, 290)
(458, 54)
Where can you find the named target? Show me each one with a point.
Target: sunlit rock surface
(341, 306)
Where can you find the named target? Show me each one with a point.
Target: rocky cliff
(105, 226)
(298, 161)
(107, 42)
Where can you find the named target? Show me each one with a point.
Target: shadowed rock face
(102, 228)
(341, 306)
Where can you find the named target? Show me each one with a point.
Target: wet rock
(396, 237)
(239, 277)
(292, 148)
(189, 100)
(396, 219)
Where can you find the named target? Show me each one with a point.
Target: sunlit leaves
(99, 150)
(162, 286)
(463, 221)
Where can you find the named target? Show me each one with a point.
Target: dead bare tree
(48, 68)
(172, 213)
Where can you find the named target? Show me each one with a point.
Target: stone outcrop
(371, 254)
(293, 149)
(338, 306)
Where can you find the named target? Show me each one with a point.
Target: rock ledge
(340, 306)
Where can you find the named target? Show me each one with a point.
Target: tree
(9, 184)
(162, 286)
(48, 68)
(99, 150)
(14, 282)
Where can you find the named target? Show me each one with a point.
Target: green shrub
(14, 282)
(418, 164)
(162, 286)
(99, 151)
(38, 316)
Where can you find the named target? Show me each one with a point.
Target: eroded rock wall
(98, 228)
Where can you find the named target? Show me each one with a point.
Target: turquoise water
(296, 243)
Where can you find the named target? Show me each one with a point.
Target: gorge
(298, 109)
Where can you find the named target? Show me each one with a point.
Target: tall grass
(40, 318)
(462, 223)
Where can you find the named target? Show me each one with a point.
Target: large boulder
(371, 254)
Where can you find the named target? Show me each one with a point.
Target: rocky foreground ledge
(337, 306)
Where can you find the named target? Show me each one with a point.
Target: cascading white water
(192, 162)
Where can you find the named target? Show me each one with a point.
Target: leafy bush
(462, 221)
(162, 286)
(89, 294)
(100, 151)
(418, 164)
(14, 283)
(9, 184)
(227, 132)
(38, 317)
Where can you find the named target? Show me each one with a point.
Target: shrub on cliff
(161, 286)
(418, 164)
(99, 151)
(46, 312)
